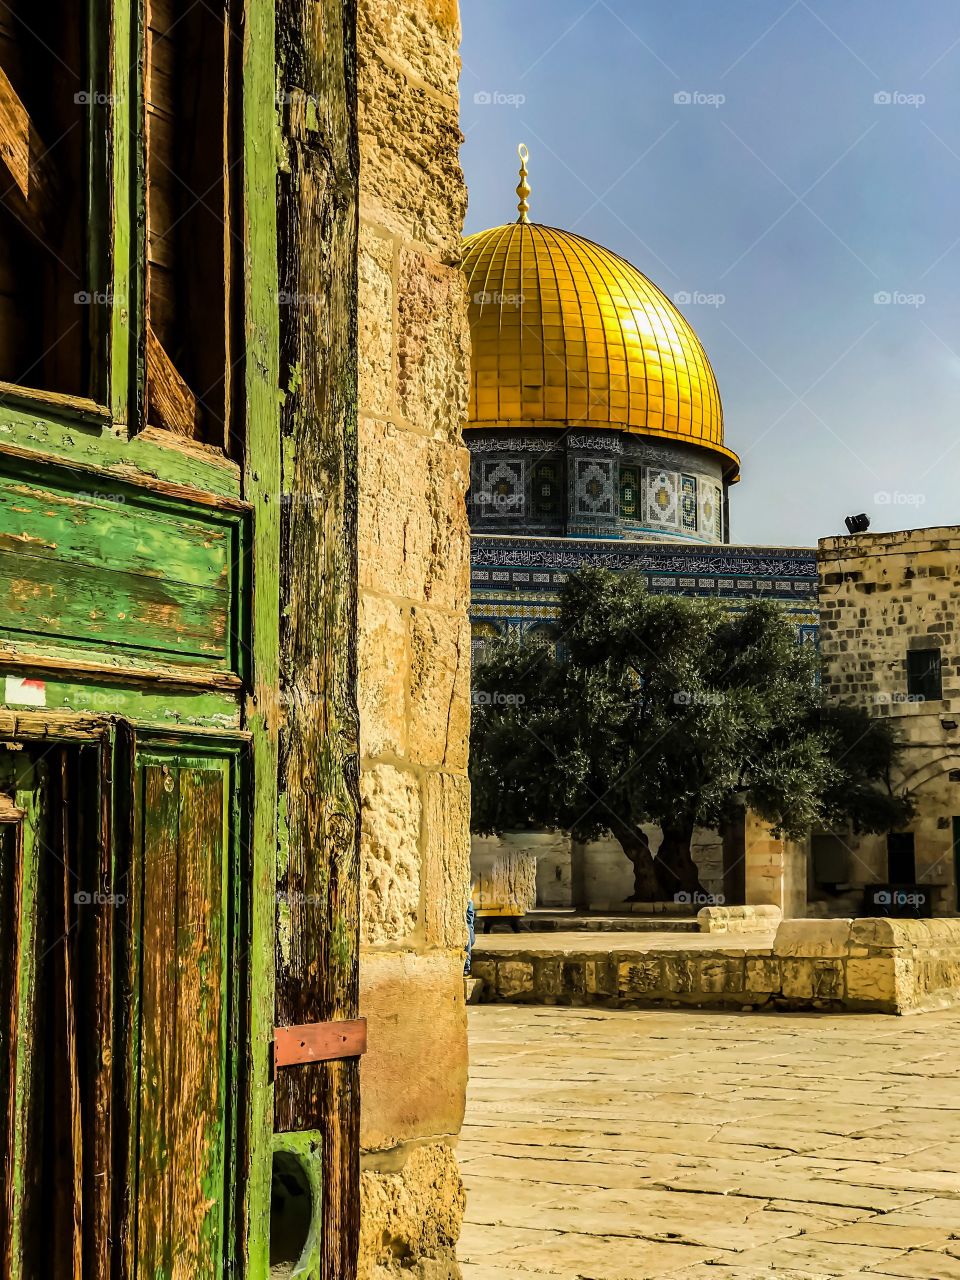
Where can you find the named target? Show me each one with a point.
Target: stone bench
(864, 965)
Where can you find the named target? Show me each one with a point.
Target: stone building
(889, 614)
(597, 437)
(414, 636)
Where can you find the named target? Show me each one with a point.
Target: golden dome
(566, 333)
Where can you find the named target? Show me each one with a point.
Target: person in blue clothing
(471, 932)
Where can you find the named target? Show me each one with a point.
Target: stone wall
(414, 636)
(881, 596)
(868, 965)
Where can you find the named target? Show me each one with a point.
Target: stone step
(566, 922)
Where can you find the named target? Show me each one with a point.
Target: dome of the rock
(568, 334)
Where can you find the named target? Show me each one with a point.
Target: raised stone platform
(605, 922)
(871, 965)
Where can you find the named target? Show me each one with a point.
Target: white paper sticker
(24, 692)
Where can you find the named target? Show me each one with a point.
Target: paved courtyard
(618, 1145)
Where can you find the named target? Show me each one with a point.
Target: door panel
(185, 933)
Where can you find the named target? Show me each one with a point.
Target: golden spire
(523, 187)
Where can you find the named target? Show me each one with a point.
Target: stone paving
(620, 1145)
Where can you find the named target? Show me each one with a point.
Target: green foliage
(672, 711)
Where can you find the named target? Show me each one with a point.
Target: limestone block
(812, 938)
(573, 977)
(680, 974)
(439, 723)
(390, 849)
(413, 1077)
(514, 978)
(639, 977)
(413, 533)
(601, 977)
(375, 323)
(739, 919)
(906, 933)
(433, 346)
(828, 983)
(720, 975)
(762, 975)
(445, 875)
(382, 677)
(797, 978)
(420, 40)
(411, 1217)
(485, 971)
(872, 980)
(410, 176)
(547, 977)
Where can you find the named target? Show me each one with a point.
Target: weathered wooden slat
(23, 152)
(56, 402)
(171, 399)
(11, 893)
(319, 1042)
(71, 1190)
(67, 601)
(317, 976)
(103, 1048)
(153, 678)
(106, 531)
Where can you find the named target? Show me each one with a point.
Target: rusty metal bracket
(319, 1042)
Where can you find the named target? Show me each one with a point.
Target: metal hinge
(319, 1042)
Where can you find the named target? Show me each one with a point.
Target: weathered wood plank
(112, 532)
(167, 392)
(63, 600)
(11, 893)
(317, 977)
(25, 156)
(261, 458)
(180, 1197)
(71, 1188)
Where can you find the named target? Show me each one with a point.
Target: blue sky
(812, 183)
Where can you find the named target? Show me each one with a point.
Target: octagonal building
(596, 436)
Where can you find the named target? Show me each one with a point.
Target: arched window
(481, 636)
(546, 498)
(630, 493)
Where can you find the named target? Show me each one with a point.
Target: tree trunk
(637, 848)
(674, 866)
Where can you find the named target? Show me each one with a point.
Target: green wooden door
(183, 1079)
